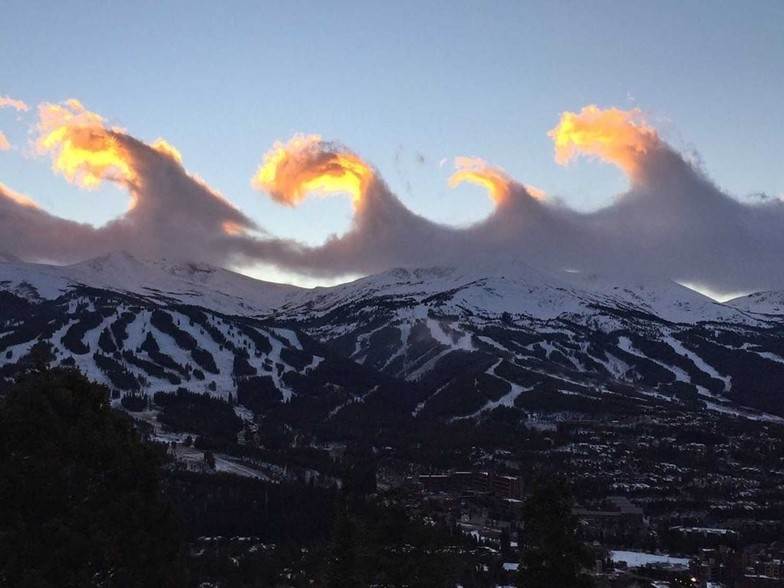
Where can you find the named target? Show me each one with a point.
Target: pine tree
(80, 502)
(552, 554)
(342, 558)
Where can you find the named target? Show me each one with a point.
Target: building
(620, 519)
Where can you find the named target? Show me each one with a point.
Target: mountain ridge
(458, 341)
(202, 284)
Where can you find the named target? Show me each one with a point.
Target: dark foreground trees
(80, 503)
(552, 553)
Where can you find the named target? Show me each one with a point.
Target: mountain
(760, 302)
(492, 286)
(443, 342)
(503, 334)
(147, 327)
(158, 280)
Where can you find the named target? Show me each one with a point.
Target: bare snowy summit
(190, 283)
(771, 302)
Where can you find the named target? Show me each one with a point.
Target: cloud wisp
(672, 222)
(19, 106)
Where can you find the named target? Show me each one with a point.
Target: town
(663, 499)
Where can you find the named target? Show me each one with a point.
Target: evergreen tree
(359, 470)
(342, 558)
(38, 359)
(552, 553)
(80, 502)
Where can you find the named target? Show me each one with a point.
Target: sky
(406, 87)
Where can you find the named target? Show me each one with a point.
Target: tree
(359, 469)
(552, 553)
(38, 358)
(80, 501)
(342, 558)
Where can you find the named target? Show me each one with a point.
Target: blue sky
(403, 84)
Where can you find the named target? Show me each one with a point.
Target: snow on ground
(678, 348)
(614, 365)
(277, 339)
(427, 365)
(764, 354)
(422, 404)
(762, 302)
(636, 559)
(463, 342)
(740, 411)
(507, 399)
(626, 344)
(211, 287)
(492, 343)
(349, 402)
(288, 336)
(405, 336)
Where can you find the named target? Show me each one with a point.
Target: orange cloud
(536, 193)
(4, 145)
(307, 164)
(616, 136)
(232, 228)
(478, 171)
(163, 146)
(18, 105)
(83, 149)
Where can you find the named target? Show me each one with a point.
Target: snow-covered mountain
(445, 342)
(483, 335)
(159, 280)
(771, 302)
(511, 286)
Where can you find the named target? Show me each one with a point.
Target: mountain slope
(446, 342)
(135, 346)
(487, 336)
(771, 302)
(159, 280)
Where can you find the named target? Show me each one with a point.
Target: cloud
(83, 149)
(671, 223)
(384, 233)
(613, 135)
(171, 213)
(18, 105)
(495, 180)
(307, 165)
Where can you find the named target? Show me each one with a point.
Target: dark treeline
(198, 413)
(231, 506)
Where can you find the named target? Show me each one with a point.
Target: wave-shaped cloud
(171, 213)
(672, 221)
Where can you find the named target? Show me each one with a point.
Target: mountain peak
(187, 282)
(112, 260)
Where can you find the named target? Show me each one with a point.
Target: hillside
(440, 342)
